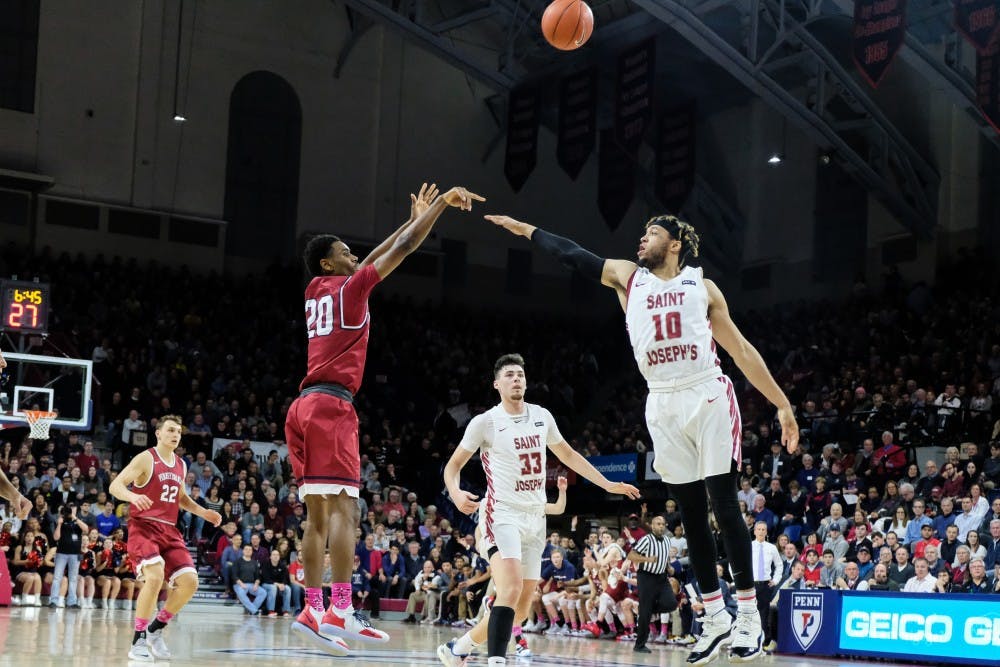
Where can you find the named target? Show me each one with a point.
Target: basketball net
(39, 421)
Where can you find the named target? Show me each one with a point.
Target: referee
(651, 554)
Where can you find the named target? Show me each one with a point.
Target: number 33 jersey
(512, 448)
(668, 324)
(163, 488)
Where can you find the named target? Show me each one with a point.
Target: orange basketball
(567, 24)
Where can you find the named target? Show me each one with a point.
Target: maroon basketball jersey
(163, 488)
(337, 326)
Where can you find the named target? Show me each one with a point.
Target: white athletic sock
(464, 644)
(713, 602)
(746, 601)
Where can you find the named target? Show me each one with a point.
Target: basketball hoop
(39, 421)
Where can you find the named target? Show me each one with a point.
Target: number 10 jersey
(668, 325)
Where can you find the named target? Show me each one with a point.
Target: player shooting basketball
(19, 503)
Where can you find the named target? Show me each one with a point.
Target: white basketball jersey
(513, 448)
(668, 324)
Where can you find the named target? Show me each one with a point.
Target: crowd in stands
(917, 370)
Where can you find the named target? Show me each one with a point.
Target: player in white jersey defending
(673, 314)
(512, 438)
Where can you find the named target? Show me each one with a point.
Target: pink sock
(341, 594)
(141, 624)
(164, 616)
(516, 631)
(554, 619)
(314, 598)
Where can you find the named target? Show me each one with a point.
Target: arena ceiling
(793, 54)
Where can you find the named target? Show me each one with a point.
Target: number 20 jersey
(337, 321)
(668, 324)
(513, 449)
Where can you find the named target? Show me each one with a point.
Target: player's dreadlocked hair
(318, 248)
(682, 231)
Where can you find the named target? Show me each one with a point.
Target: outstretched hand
(562, 483)
(623, 489)
(789, 430)
(422, 201)
(513, 226)
(461, 198)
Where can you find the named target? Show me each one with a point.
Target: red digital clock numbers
(25, 306)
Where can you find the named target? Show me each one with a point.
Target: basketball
(567, 24)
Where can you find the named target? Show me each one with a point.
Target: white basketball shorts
(515, 534)
(695, 428)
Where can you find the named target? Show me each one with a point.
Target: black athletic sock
(500, 626)
(139, 634)
(156, 625)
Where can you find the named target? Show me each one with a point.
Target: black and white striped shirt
(659, 548)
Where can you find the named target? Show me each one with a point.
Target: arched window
(262, 167)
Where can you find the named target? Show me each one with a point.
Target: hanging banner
(675, 149)
(879, 31)
(977, 20)
(634, 97)
(522, 135)
(988, 84)
(577, 121)
(615, 180)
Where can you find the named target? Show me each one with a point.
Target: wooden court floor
(41, 637)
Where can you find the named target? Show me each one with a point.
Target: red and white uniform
(322, 430)
(152, 533)
(513, 449)
(691, 411)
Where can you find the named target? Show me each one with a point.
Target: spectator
(275, 581)
(246, 574)
(960, 568)
(392, 576)
(977, 581)
(902, 570)
(360, 584)
(880, 580)
(424, 588)
(921, 581)
(967, 520)
(852, 579)
(230, 556)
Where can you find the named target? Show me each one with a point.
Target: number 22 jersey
(513, 448)
(163, 488)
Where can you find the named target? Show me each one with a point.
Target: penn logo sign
(807, 617)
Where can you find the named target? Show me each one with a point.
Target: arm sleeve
(569, 254)
(475, 433)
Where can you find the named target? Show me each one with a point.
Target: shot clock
(25, 306)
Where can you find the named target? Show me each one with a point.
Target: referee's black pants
(655, 597)
(764, 594)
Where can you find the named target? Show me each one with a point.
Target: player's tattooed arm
(418, 204)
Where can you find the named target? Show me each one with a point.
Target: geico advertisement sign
(967, 627)
(933, 628)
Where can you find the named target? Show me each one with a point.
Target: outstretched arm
(414, 233)
(749, 361)
(418, 204)
(613, 273)
(583, 467)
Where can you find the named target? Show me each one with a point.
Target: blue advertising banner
(957, 628)
(809, 621)
(617, 468)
